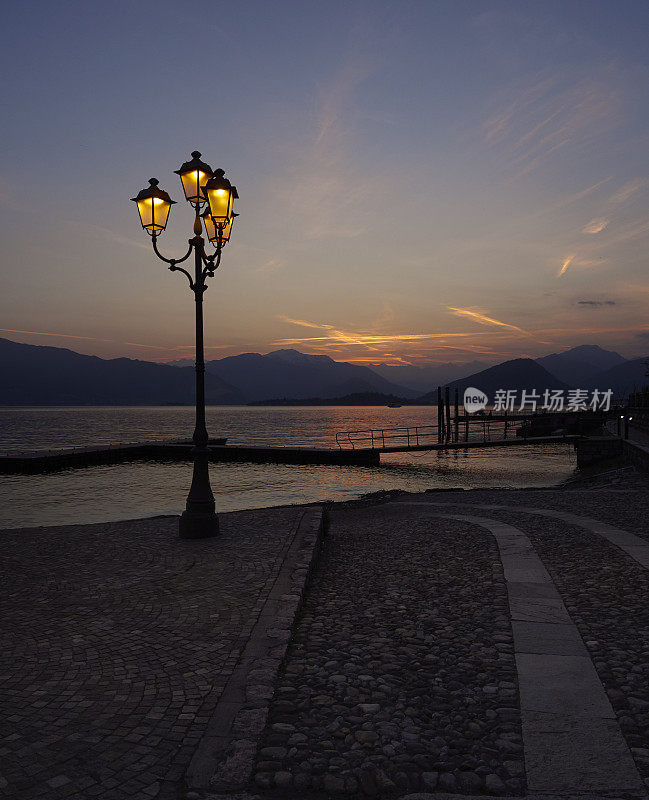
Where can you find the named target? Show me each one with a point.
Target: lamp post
(202, 186)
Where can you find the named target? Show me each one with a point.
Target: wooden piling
(457, 415)
(447, 396)
(440, 415)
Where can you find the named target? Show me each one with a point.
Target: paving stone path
(571, 740)
(401, 674)
(117, 641)
(358, 711)
(600, 571)
(491, 642)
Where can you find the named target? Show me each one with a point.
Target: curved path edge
(573, 744)
(224, 758)
(631, 544)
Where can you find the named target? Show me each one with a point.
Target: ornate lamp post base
(198, 525)
(199, 520)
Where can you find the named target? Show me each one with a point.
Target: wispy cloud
(552, 112)
(567, 261)
(626, 192)
(613, 205)
(58, 335)
(338, 336)
(595, 253)
(483, 319)
(372, 346)
(571, 198)
(595, 303)
(326, 191)
(595, 226)
(76, 337)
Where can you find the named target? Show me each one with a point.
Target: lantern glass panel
(193, 182)
(227, 230)
(220, 200)
(154, 212)
(212, 229)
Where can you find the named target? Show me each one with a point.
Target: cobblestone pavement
(622, 501)
(604, 589)
(400, 676)
(116, 640)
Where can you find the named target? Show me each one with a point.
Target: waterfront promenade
(465, 643)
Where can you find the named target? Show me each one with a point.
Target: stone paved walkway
(571, 741)
(401, 674)
(137, 665)
(116, 643)
(398, 681)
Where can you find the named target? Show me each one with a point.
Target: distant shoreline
(256, 404)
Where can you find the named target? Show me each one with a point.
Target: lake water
(141, 489)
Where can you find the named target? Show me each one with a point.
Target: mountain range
(580, 365)
(38, 375)
(420, 379)
(289, 373)
(519, 373)
(52, 376)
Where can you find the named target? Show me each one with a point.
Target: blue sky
(420, 181)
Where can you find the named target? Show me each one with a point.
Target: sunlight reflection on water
(143, 489)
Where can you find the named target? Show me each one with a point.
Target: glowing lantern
(153, 205)
(220, 194)
(194, 175)
(212, 229)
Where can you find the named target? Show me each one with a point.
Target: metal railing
(470, 429)
(481, 429)
(387, 437)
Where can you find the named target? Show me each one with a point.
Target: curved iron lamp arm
(174, 268)
(172, 261)
(211, 266)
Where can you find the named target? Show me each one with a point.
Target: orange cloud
(483, 319)
(403, 348)
(60, 335)
(566, 263)
(595, 226)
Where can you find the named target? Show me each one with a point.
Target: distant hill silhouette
(291, 374)
(427, 377)
(35, 375)
(622, 378)
(519, 373)
(579, 365)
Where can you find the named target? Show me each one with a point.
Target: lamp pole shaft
(199, 519)
(200, 431)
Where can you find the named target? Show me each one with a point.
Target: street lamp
(201, 186)
(214, 230)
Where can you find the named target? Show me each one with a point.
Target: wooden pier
(53, 461)
(177, 450)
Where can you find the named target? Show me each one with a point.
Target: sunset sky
(420, 182)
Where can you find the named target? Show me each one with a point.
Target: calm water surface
(142, 489)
